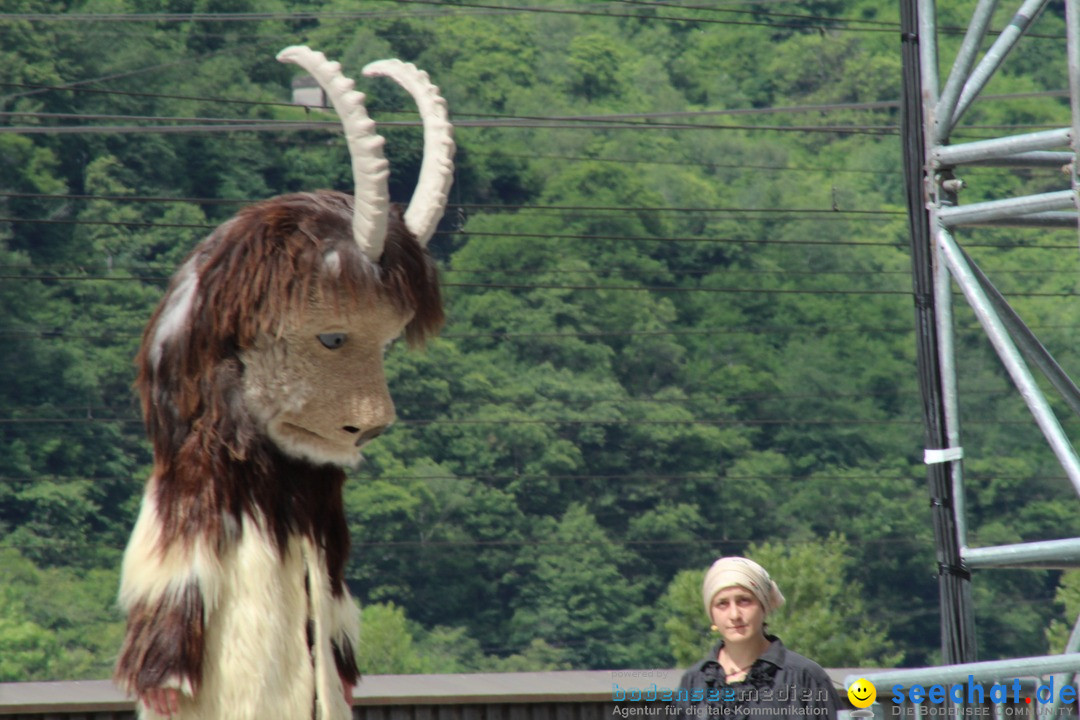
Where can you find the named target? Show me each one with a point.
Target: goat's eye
(331, 341)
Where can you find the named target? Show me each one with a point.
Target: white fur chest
(269, 621)
(257, 661)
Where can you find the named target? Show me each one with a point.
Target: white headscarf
(729, 571)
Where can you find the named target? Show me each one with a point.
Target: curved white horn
(370, 169)
(437, 169)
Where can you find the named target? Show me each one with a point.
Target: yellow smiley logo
(862, 693)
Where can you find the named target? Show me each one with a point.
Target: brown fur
(255, 273)
(164, 642)
(345, 659)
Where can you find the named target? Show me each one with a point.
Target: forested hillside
(680, 320)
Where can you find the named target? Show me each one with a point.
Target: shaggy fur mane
(253, 275)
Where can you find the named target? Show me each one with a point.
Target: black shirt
(780, 684)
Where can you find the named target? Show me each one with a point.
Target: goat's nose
(372, 432)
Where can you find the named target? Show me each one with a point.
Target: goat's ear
(371, 172)
(437, 170)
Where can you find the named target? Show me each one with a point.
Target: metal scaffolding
(932, 161)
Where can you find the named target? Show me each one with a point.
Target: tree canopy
(680, 321)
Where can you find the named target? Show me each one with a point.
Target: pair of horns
(370, 169)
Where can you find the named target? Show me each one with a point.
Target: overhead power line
(607, 271)
(620, 477)
(551, 286)
(458, 422)
(760, 13)
(882, 105)
(74, 84)
(815, 329)
(459, 113)
(274, 126)
(165, 96)
(871, 26)
(285, 126)
(740, 241)
(458, 8)
(214, 17)
(93, 116)
(779, 213)
(504, 335)
(585, 403)
(493, 207)
(577, 422)
(442, 546)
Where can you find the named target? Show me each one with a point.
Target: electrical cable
(885, 105)
(277, 126)
(129, 73)
(559, 236)
(650, 478)
(90, 116)
(458, 5)
(589, 403)
(494, 207)
(808, 329)
(458, 422)
(541, 286)
(620, 272)
(793, 16)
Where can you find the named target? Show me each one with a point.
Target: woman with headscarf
(749, 671)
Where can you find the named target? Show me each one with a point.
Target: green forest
(680, 320)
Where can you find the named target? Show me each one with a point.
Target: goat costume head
(277, 322)
(261, 375)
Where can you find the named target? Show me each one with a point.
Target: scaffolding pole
(954, 581)
(932, 162)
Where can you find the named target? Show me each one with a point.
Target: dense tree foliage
(680, 322)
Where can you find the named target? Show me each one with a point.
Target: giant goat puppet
(261, 376)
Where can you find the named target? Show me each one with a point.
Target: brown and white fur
(261, 376)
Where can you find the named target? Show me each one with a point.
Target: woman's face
(738, 614)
